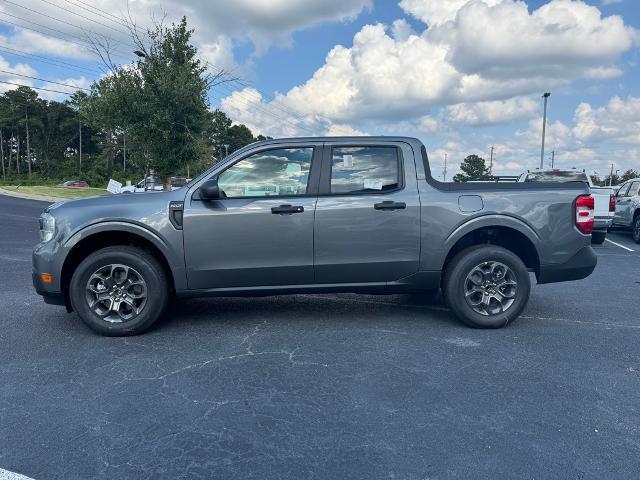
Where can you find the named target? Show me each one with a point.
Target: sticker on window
(370, 184)
(347, 161)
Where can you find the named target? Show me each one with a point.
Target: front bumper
(580, 266)
(49, 296)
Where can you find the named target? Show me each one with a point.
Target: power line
(45, 80)
(85, 46)
(41, 25)
(37, 88)
(39, 58)
(85, 17)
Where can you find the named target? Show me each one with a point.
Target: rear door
(367, 225)
(261, 232)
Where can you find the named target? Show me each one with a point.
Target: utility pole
(26, 118)
(491, 162)
(80, 147)
(18, 155)
(124, 151)
(444, 170)
(546, 96)
(226, 149)
(611, 175)
(553, 157)
(4, 175)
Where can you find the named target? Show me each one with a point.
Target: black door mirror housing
(209, 190)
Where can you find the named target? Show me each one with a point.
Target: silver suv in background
(627, 214)
(604, 199)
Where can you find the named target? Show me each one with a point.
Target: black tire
(456, 281)
(635, 229)
(142, 263)
(597, 238)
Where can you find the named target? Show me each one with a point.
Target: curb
(31, 196)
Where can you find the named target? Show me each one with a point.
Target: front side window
(623, 190)
(365, 169)
(633, 190)
(278, 172)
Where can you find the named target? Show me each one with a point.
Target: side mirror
(209, 190)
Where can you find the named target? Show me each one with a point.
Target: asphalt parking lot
(326, 387)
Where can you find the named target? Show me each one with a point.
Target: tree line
(151, 114)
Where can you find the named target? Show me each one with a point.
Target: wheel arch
(512, 234)
(90, 239)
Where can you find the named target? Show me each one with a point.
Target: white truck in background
(604, 197)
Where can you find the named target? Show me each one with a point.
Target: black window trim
(327, 159)
(314, 171)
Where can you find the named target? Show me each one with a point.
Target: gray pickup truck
(307, 215)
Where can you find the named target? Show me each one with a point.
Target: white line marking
(7, 475)
(618, 245)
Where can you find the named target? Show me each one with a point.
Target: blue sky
(462, 75)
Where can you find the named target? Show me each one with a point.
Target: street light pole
(546, 96)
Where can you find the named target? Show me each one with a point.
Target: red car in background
(75, 184)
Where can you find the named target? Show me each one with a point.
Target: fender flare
(491, 220)
(127, 227)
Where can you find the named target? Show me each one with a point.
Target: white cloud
(75, 84)
(492, 112)
(337, 130)
(436, 12)
(481, 56)
(14, 74)
(617, 122)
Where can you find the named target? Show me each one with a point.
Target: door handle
(287, 209)
(390, 205)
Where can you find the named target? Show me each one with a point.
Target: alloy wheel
(490, 288)
(116, 293)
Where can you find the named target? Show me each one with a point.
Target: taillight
(584, 214)
(612, 203)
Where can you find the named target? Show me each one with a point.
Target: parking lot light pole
(546, 96)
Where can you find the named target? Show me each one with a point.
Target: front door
(367, 226)
(260, 233)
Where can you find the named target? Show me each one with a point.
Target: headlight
(47, 227)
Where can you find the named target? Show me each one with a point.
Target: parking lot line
(621, 246)
(7, 475)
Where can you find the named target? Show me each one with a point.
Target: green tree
(160, 102)
(628, 175)
(471, 166)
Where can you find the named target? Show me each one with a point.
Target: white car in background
(604, 198)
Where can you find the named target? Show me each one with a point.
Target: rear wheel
(119, 291)
(486, 286)
(597, 238)
(635, 229)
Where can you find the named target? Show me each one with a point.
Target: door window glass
(279, 172)
(364, 169)
(623, 190)
(633, 190)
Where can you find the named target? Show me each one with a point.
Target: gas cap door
(470, 203)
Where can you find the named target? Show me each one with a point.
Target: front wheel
(635, 229)
(119, 290)
(486, 286)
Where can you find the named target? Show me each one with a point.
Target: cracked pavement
(322, 387)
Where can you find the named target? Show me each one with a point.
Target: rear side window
(364, 169)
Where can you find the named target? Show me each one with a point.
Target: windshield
(571, 176)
